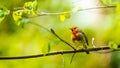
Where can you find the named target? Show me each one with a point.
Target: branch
(72, 57)
(53, 32)
(56, 53)
(59, 13)
(40, 26)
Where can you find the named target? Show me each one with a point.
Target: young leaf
(18, 17)
(46, 48)
(28, 5)
(49, 48)
(3, 13)
(113, 46)
(62, 17)
(107, 2)
(35, 5)
(31, 7)
(25, 20)
(1, 18)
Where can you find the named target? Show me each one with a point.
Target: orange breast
(75, 36)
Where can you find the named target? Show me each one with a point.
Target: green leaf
(25, 20)
(18, 17)
(28, 5)
(46, 48)
(62, 17)
(112, 45)
(49, 48)
(35, 5)
(3, 13)
(31, 7)
(107, 2)
(110, 2)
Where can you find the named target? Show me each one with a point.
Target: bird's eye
(75, 28)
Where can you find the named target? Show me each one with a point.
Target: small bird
(79, 36)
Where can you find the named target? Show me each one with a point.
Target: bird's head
(75, 29)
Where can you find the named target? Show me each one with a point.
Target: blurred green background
(102, 24)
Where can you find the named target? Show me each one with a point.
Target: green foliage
(31, 7)
(64, 16)
(35, 5)
(112, 45)
(49, 48)
(46, 48)
(30, 40)
(18, 17)
(3, 13)
(110, 2)
(107, 2)
(28, 5)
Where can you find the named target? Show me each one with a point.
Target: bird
(78, 36)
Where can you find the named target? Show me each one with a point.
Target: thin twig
(67, 12)
(72, 57)
(63, 61)
(62, 39)
(56, 53)
(101, 7)
(53, 32)
(40, 26)
(60, 13)
(64, 42)
(93, 44)
(54, 13)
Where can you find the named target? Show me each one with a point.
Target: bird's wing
(84, 37)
